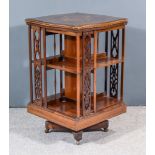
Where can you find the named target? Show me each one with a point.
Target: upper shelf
(64, 66)
(107, 62)
(69, 65)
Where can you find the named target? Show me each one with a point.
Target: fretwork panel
(86, 73)
(114, 53)
(37, 65)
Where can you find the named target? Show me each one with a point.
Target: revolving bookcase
(75, 103)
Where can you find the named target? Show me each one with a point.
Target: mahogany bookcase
(76, 106)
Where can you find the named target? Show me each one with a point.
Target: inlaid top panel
(77, 20)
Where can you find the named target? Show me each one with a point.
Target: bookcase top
(77, 21)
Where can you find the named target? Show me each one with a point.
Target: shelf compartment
(69, 64)
(107, 62)
(68, 108)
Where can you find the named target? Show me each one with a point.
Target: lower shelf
(69, 107)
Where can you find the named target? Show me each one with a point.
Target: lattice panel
(86, 76)
(114, 80)
(114, 68)
(37, 65)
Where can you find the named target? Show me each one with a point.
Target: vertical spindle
(94, 79)
(122, 65)
(30, 64)
(106, 68)
(61, 78)
(55, 69)
(45, 71)
(78, 73)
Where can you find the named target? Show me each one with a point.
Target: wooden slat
(122, 65)
(78, 75)
(45, 72)
(98, 37)
(55, 82)
(61, 32)
(61, 78)
(94, 79)
(30, 63)
(112, 28)
(106, 68)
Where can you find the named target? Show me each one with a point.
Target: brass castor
(46, 130)
(48, 127)
(105, 126)
(104, 129)
(77, 142)
(77, 137)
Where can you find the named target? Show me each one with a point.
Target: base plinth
(52, 127)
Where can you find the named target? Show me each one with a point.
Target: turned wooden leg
(77, 136)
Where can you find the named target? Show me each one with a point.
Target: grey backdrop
(135, 41)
